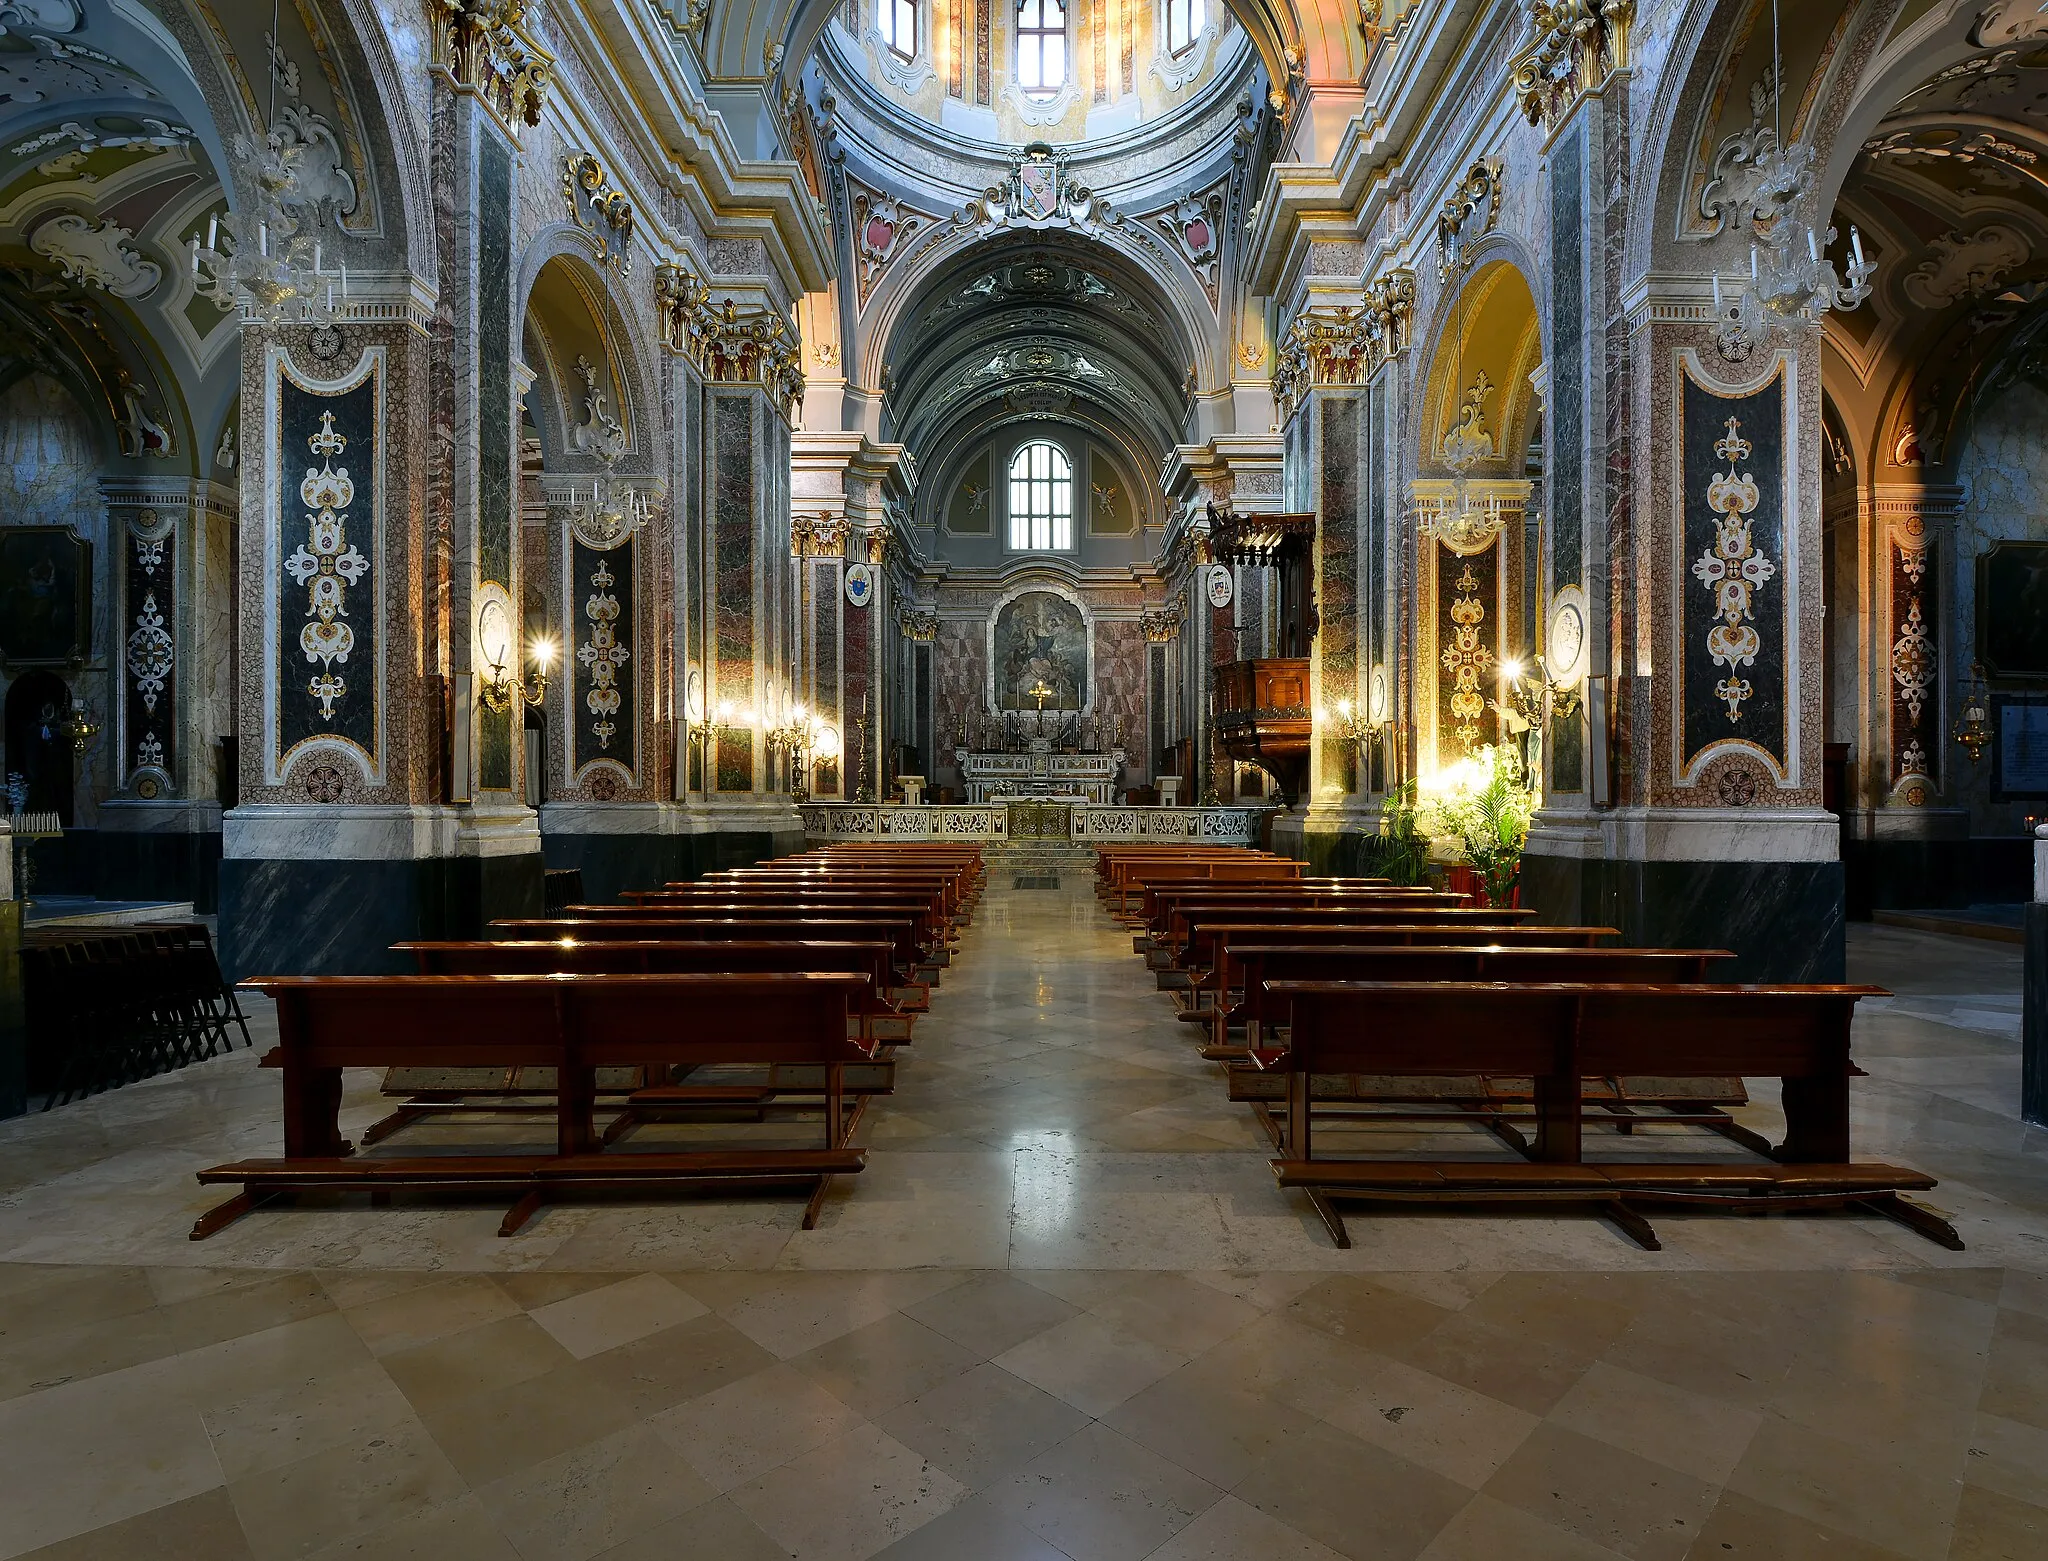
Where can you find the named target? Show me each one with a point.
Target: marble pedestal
(309, 890)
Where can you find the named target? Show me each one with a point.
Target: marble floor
(1063, 1314)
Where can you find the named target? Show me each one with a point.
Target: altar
(1074, 819)
(1040, 772)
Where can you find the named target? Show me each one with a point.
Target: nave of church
(1043, 778)
(1063, 1312)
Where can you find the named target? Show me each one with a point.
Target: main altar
(1040, 754)
(1076, 819)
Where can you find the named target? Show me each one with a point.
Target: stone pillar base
(1783, 919)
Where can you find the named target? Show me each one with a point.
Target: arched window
(897, 20)
(1041, 47)
(1041, 499)
(1184, 20)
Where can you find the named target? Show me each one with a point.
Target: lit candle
(195, 254)
(1856, 244)
(213, 231)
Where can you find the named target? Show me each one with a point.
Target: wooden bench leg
(1633, 1225)
(522, 1211)
(1333, 1222)
(225, 1214)
(404, 1116)
(817, 1202)
(1914, 1217)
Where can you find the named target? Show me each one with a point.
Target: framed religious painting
(45, 596)
(2012, 612)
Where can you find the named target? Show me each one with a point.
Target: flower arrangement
(1400, 851)
(1486, 815)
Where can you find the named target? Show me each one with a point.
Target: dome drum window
(1041, 47)
(896, 20)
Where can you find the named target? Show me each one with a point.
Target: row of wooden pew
(1350, 1003)
(761, 994)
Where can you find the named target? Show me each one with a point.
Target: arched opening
(41, 767)
(1481, 571)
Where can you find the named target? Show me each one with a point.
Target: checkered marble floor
(1064, 1313)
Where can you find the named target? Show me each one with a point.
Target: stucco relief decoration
(137, 432)
(730, 345)
(97, 256)
(2010, 21)
(599, 434)
(917, 625)
(149, 654)
(602, 654)
(1467, 660)
(1574, 47)
(1733, 571)
(1470, 440)
(1956, 267)
(1326, 345)
(327, 565)
(817, 536)
(1755, 180)
(1162, 626)
(50, 69)
(1475, 200)
(486, 47)
(882, 228)
(597, 208)
(1195, 225)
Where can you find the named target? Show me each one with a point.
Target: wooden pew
(1160, 904)
(954, 895)
(1188, 921)
(934, 931)
(1215, 948)
(1486, 1099)
(899, 932)
(880, 1023)
(575, 1024)
(1214, 871)
(1560, 1033)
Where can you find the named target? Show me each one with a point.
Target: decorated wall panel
(149, 655)
(1914, 667)
(1735, 584)
(602, 682)
(325, 537)
(1468, 642)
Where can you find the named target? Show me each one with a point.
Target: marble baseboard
(294, 917)
(2034, 1027)
(612, 864)
(1785, 920)
(128, 864)
(1889, 874)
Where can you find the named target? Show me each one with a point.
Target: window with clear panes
(1041, 47)
(1184, 20)
(1041, 499)
(897, 21)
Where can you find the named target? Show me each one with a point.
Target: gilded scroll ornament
(1575, 45)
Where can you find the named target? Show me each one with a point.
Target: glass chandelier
(1790, 276)
(615, 508)
(262, 261)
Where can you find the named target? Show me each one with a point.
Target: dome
(980, 76)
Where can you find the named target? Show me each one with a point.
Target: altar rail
(1088, 823)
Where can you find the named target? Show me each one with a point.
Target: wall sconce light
(1973, 728)
(497, 688)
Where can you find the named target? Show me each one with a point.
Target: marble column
(736, 381)
(1903, 824)
(2034, 1023)
(382, 792)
